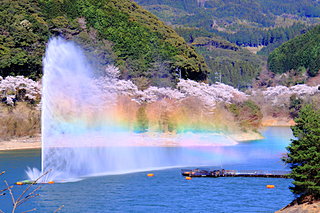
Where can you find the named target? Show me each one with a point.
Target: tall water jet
(67, 96)
(80, 136)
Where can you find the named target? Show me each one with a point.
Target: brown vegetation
(20, 120)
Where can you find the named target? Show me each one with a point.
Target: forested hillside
(246, 22)
(144, 48)
(228, 62)
(118, 31)
(301, 53)
(260, 25)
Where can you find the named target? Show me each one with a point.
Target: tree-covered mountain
(245, 22)
(228, 62)
(118, 31)
(261, 12)
(259, 25)
(301, 53)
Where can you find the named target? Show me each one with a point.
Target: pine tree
(304, 154)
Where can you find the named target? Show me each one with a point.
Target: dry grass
(18, 121)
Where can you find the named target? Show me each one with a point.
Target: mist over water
(80, 136)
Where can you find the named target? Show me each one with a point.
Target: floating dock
(233, 173)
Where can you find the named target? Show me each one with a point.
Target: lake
(167, 191)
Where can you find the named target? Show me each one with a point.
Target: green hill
(261, 25)
(119, 31)
(228, 62)
(301, 53)
(245, 22)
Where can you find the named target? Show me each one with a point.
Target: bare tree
(26, 195)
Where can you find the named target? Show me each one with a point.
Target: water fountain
(79, 135)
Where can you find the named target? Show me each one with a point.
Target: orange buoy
(51, 182)
(150, 175)
(270, 186)
(19, 183)
(188, 178)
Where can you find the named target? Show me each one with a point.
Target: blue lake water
(167, 191)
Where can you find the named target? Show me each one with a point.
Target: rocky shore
(302, 208)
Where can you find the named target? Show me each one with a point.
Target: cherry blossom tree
(109, 87)
(19, 88)
(280, 95)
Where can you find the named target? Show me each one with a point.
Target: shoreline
(21, 143)
(273, 122)
(24, 143)
(34, 142)
(246, 136)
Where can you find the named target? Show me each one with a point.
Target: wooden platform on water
(233, 173)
